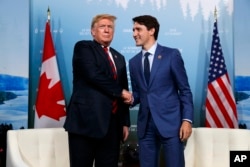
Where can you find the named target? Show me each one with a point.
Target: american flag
(220, 102)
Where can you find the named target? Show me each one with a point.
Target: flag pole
(215, 13)
(221, 110)
(50, 102)
(48, 15)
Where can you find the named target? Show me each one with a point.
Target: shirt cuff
(187, 120)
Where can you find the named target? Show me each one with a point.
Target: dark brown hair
(150, 22)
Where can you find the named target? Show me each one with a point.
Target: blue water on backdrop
(243, 109)
(15, 111)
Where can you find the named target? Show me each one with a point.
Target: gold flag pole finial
(215, 13)
(48, 14)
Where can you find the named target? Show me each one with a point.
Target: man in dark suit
(166, 106)
(97, 117)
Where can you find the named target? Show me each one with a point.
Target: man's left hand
(185, 130)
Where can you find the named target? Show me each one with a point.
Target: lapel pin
(159, 56)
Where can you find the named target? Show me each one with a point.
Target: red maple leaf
(47, 100)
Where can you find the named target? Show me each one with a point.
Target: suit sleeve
(181, 79)
(135, 88)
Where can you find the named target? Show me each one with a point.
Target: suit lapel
(137, 65)
(156, 63)
(141, 72)
(100, 50)
(115, 57)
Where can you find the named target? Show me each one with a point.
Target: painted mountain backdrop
(10, 82)
(242, 83)
(9, 85)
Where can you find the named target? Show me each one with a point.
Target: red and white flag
(50, 103)
(220, 102)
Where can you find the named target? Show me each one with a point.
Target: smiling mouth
(137, 40)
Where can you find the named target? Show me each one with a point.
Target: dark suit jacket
(168, 95)
(94, 89)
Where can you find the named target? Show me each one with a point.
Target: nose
(134, 33)
(106, 28)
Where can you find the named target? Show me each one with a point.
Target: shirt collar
(151, 50)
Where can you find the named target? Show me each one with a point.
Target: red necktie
(114, 104)
(110, 63)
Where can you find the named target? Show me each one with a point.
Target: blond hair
(102, 16)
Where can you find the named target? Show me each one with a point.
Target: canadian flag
(50, 103)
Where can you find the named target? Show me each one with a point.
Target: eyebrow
(137, 28)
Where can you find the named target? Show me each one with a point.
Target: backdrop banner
(14, 64)
(184, 24)
(242, 68)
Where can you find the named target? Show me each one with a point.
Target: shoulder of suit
(168, 49)
(112, 50)
(87, 44)
(136, 57)
(84, 42)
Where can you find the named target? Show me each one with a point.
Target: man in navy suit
(97, 117)
(166, 104)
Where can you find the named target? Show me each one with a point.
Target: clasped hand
(127, 97)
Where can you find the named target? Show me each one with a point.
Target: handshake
(127, 97)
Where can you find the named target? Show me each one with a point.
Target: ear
(92, 32)
(152, 31)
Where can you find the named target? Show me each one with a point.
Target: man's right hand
(127, 96)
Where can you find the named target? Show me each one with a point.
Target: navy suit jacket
(94, 90)
(168, 95)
